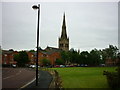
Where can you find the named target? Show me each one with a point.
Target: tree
(22, 58)
(59, 62)
(118, 57)
(32, 51)
(16, 57)
(110, 53)
(11, 50)
(84, 57)
(45, 62)
(65, 56)
(74, 56)
(95, 57)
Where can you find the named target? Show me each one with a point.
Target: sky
(89, 25)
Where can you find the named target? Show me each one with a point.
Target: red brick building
(49, 56)
(49, 53)
(8, 57)
(111, 62)
(32, 58)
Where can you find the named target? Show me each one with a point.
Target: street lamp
(38, 8)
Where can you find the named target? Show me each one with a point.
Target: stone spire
(64, 40)
(64, 34)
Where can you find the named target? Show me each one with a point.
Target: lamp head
(35, 7)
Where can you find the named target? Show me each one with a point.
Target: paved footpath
(44, 81)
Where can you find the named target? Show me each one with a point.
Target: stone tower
(64, 40)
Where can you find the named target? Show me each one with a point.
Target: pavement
(44, 81)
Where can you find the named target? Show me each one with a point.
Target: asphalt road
(16, 77)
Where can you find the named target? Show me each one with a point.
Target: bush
(45, 62)
(113, 78)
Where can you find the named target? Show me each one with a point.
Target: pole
(37, 46)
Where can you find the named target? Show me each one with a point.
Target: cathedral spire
(64, 34)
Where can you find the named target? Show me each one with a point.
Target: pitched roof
(7, 52)
(53, 49)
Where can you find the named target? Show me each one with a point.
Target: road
(16, 77)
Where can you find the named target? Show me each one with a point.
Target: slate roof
(7, 52)
(48, 50)
(53, 49)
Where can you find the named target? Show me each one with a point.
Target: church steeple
(64, 34)
(64, 40)
(64, 20)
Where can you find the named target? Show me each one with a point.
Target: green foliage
(118, 56)
(16, 57)
(74, 56)
(113, 78)
(21, 58)
(110, 52)
(32, 51)
(65, 56)
(84, 57)
(59, 62)
(93, 58)
(45, 62)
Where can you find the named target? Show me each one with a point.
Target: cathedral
(64, 40)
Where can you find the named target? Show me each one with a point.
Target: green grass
(84, 77)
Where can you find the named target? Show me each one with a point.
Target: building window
(61, 45)
(31, 55)
(66, 45)
(5, 55)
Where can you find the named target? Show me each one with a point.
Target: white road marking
(12, 75)
(28, 83)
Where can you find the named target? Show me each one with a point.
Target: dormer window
(5, 55)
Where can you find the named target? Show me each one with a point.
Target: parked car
(32, 66)
(67, 65)
(14, 65)
(102, 65)
(71, 65)
(62, 65)
(86, 65)
(83, 65)
(57, 65)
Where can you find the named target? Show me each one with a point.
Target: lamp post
(38, 8)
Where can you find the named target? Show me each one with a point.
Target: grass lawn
(84, 77)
